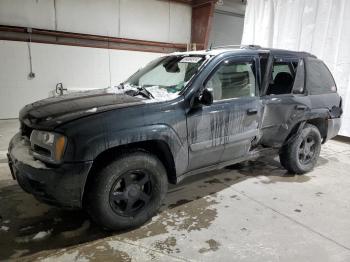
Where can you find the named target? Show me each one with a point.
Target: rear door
(285, 100)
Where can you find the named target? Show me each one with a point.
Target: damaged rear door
(284, 98)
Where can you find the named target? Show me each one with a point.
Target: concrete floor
(254, 211)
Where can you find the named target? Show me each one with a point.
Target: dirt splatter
(179, 203)
(194, 217)
(287, 178)
(168, 245)
(91, 252)
(319, 193)
(103, 253)
(213, 246)
(213, 181)
(235, 197)
(297, 210)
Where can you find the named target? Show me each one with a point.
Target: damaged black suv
(113, 151)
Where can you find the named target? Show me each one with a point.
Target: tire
(301, 155)
(119, 198)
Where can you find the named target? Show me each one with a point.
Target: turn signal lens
(60, 146)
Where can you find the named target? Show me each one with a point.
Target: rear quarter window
(319, 79)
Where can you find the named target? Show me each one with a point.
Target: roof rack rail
(250, 46)
(236, 47)
(225, 46)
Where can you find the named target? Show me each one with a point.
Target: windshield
(165, 77)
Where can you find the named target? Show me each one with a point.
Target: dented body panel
(196, 137)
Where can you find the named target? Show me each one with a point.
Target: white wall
(318, 27)
(81, 67)
(28, 13)
(88, 16)
(153, 20)
(75, 67)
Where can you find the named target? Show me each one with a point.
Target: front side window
(232, 80)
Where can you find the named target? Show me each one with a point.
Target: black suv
(113, 151)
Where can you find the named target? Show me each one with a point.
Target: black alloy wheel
(300, 155)
(128, 191)
(307, 150)
(131, 193)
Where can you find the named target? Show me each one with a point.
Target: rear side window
(318, 78)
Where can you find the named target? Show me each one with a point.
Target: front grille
(25, 130)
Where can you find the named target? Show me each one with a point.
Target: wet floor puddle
(28, 226)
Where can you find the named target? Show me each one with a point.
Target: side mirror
(205, 97)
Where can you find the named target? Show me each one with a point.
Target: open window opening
(282, 78)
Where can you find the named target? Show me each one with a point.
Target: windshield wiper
(141, 90)
(145, 91)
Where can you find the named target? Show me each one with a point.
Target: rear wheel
(300, 156)
(128, 191)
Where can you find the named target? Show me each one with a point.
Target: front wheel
(301, 155)
(128, 191)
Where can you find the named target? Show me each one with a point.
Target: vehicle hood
(50, 112)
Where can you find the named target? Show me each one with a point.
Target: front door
(224, 130)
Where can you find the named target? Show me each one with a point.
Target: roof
(251, 49)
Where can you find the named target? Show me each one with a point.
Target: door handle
(300, 107)
(252, 111)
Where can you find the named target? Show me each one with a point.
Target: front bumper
(62, 185)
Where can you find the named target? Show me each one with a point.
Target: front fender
(159, 132)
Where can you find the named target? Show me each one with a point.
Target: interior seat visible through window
(283, 84)
(283, 75)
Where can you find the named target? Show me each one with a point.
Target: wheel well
(321, 125)
(157, 147)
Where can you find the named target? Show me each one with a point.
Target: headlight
(48, 146)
